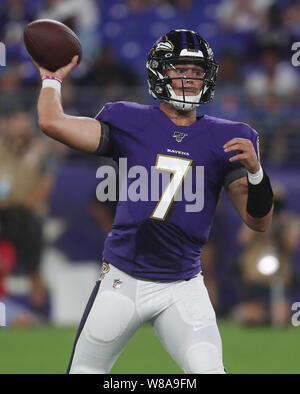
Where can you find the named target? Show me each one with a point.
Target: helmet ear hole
(158, 89)
(154, 64)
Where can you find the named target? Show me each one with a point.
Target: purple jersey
(162, 239)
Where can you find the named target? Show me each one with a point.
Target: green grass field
(245, 350)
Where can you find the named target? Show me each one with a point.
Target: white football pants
(180, 312)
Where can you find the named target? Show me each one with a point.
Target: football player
(151, 269)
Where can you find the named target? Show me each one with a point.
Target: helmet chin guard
(180, 102)
(179, 47)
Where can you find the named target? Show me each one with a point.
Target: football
(51, 43)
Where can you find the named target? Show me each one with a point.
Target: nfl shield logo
(117, 283)
(179, 136)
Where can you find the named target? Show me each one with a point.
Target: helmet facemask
(184, 102)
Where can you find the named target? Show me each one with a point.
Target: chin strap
(179, 102)
(184, 103)
(183, 106)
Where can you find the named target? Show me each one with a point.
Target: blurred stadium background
(257, 84)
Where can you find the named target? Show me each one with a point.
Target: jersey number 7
(179, 168)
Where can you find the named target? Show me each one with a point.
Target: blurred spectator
(26, 177)
(182, 4)
(273, 33)
(285, 144)
(229, 93)
(12, 92)
(7, 263)
(110, 73)
(277, 149)
(274, 77)
(258, 275)
(242, 15)
(70, 96)
(292, 18)
(83, 18)
(14, 16)
(116, 81)
(140, 5)
(238, 21)
(16, 314)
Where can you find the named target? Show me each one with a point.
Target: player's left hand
(245, 153)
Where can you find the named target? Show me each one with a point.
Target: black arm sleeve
(260, 198)
(233, 175)
(105, 147)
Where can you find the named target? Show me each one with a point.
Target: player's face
(19, 129)
(187, 80)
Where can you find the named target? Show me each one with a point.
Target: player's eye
(181, 71)
(199, 73)
(190, 72)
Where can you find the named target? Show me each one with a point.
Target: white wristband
(52, 83)
(256, 178)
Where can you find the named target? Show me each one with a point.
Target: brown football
(51, 44)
